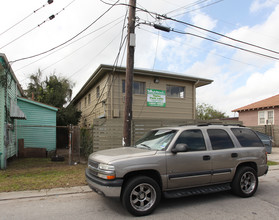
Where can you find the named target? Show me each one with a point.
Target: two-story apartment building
(156, 95)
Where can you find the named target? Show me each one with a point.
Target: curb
(272, 168)
(43, 193)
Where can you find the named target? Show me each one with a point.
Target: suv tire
(245, 182)
(141, 195)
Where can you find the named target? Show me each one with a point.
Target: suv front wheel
(141, 195)
(245, 182)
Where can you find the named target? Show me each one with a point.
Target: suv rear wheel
(141, 195)
(245, 182)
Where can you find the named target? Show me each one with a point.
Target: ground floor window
(266, 117)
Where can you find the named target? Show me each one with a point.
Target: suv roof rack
(207, 124)
(239, 125)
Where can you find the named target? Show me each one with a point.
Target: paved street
(81, 203)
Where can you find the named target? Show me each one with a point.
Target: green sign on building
(156, 98)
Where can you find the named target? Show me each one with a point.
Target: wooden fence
(108, 133)
(271, 130)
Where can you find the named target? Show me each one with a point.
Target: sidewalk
(274, 156)
(43, 193)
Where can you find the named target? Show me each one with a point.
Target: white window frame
(181, 94)
(140, 91)
(265, 117)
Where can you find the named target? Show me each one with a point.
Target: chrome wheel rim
(143, 197)
(248, 182)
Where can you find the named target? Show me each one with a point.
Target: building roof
(144, 72)
(265, 103)
(4, 63)
(38, 104)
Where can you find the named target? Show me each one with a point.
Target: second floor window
(89, 98)
(98, 91)
(175, 91)
(138, 87)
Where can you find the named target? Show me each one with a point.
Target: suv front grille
(93, 167)
(93, 164)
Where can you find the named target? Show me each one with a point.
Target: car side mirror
(180, 148)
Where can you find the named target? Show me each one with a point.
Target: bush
(86, 141)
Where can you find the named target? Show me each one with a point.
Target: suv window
(219, 139)
(193, 138)
(247, 137)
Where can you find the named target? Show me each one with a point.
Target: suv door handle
(234, 155)
(206, 157)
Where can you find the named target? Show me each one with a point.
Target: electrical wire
(230, 45)
(39, 25)
(213, 3)
(187, 6)
(79, 48)
(113, 70)
(75, 36)
(95, 55)
(122, 42)
(222, 35)
(112, 22)
(204, 50)
(49, 2)
(158, 37)
(204, 29)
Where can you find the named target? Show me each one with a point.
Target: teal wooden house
(10, 89)
(39, 128)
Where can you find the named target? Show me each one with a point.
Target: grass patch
(40, 173)
(271, 163)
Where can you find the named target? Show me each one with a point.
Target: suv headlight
(103, 166)
(106, 171)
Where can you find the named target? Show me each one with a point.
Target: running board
(197, 191)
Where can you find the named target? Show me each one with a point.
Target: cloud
(258, 5)
(203, 20)
(257, 87)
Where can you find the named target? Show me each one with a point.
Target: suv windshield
(156, 139)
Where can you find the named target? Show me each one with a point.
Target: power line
(72, 42)
(219, 42)
(49, 2)
(219, 34)
(201, 7)
(79, 48)
(75, 36)
(201, 28)
(122, 43)
(39, 25)
(188, 6)
(204, 49)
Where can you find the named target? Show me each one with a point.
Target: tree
(206, 112)
(55, 91)
(35, 87)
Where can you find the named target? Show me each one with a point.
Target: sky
(87, 33)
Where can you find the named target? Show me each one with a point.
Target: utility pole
(129, 74)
